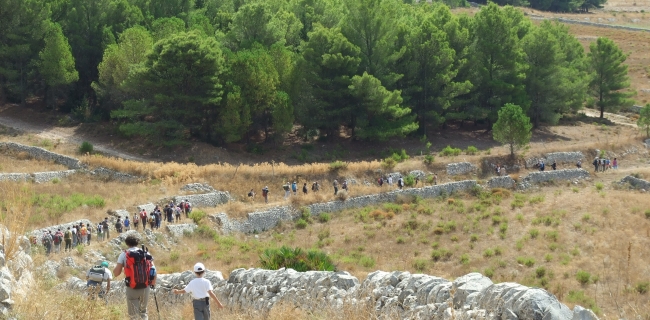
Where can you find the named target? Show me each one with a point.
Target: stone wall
(553, 175)
(460, 168)
(149, 207)
(63, 227)
(636, 182)
(178, 230)
(40, 153)
(570, 158)
(501, 182)
(15, 177)
(267, 219)
(40, 177)
(16, 278)
(114, 175)
(211, 199)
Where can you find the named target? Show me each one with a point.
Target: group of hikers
(81, 234)
(603, 164)
(140, 279)
(290, 188)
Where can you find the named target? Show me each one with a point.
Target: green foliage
(609, 76)
(301, 224)
(583, 277)
(86, 147)
(471, 150)
(56, 64)
(513, 127)
(338, 165)
(642, 287)
(644, 120)
(527, 261)
(409, 180)
(297, 259)
(197, 216)
(449, 151)
(55, 205)
(324, 217)
(429, 159)
(579, 297)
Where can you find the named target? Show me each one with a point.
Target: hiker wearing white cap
(201, 290)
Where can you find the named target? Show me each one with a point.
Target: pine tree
(609, 76)
(513, 127)
(56, 64)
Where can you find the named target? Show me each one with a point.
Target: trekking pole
(155, 299)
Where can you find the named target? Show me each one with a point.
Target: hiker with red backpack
(139, 276)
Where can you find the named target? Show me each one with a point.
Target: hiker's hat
(199, 267)
(104, 264)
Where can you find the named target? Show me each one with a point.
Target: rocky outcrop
(15, 271)
(554, 175)
(179, 230)
(42, 154)
(267, 219)
(149, 207)
(501, 182)
(460, 168)
(636, 183)
(198, 187)
(40, 177)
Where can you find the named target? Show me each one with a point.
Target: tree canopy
(513, 127)
(246, 71)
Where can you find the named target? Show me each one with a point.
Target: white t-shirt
(199, 288)
(107, 274)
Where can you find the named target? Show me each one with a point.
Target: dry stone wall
(15, 177)
(267, 219)
(501, 182)
(211, 199)
(40, 177)
(560, 157)
(40, 153)
(63, 227)
(553, 175)
(636, 182)
(460, 168)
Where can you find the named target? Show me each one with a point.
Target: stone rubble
(211, 199)
(16, 278)
(41, 177)
(179, 230)
(636, 183)
(501, 182)
(198, 187)
(567, 158)
(534, 178)
(114, 175)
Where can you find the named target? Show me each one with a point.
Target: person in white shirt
(201, 290)
(96, 276)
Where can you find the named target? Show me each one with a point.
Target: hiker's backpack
(96, 273)
(68, 234)
(57, 238)
(265, 192)
(138, 269)
(46, 240)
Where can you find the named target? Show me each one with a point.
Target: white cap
(199, 267)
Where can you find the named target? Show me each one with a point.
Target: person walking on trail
(83, 232)
(178, 212)
(554, 165)
(579, 164)
(143, 218)
(158, 217)
(265, 194)
(67, 237)
(595, 163)
(95, 276)
(336, 186)
(100, 232)
(390, 181)
(106, 229)
(127, 224)
(614, 164)
(251, 195)
(315, 187)
(139, 277)
(74, 236)
(380, 181)
(47, 242)
(58, 238)
(304, 188)
(287, 190)
(89, 233)
(118, 225)
(169, 214)
(400, 183)
(201, 291)
(344, 185)
(136, 221)
(294, 188)
(152, 222)
(435, 179)
(187, 208)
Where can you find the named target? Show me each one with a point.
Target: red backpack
(137, 270)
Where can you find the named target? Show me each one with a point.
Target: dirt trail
(65, 134)
(618, 119)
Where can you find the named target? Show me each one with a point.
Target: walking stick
(155, 299)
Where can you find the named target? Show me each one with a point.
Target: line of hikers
(81, 234)
(602, 164)
(292, 188)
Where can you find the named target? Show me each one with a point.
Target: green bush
(464, 258)
(533, 233)
(86, 147)
(420, 265)
(197, 216)
(409, 180)
(324, 217)
(583, 277)
(367, 262)
(388, 163)
(429, 159)
(540, 272)
(642, 287)
(647, 214)
(471, 150)
(527, 261)
(441, 254)
(297, 259)
(338, 165)
(301, 224)
(56, 205)
(579, 297)
(449, 151)
(599, 186)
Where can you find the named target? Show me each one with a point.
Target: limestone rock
(460, 168)
(178, 230)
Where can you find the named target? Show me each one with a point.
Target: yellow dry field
(22, 163)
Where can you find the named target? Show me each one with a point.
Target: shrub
(388, 163)
(579, 297)
(599, 186)
(86, 147)
(197, 216)
(301, 224)
(489, 272)
(471, 150)
(473, 238)
(647, 214)
(583, 277)
(324, 217)
(464, 259)
(449, 151)
(419, 264)
(409, 180)
(342, 195)
(540, 272)
(441, 254)
(428, 159)
(297, 259)
(174, 256)
(488, 253)
(533, 233)
(338, 165)
(400, 240)
(642, 287)
(527, 261)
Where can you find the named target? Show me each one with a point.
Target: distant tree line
(229, 70)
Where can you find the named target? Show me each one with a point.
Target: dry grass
(24, 164)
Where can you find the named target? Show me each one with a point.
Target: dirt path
(618, 119)
(64, 134)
